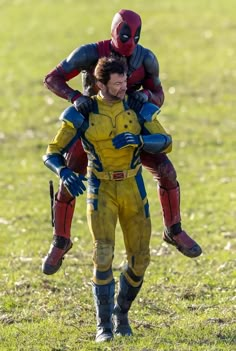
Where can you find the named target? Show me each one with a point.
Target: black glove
(84, 105)
(136, 100)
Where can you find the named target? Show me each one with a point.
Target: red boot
(63, 214)
(173, 234)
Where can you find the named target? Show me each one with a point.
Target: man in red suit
(143, 85)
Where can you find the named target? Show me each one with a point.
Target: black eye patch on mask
(125, 34)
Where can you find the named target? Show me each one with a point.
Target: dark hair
(108, 65)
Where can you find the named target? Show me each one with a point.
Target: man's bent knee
(102, 258)
(137, 265)
(103, 255)
(161, 168)
(167, 177)
(63, 195)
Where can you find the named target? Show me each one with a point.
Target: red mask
(125, 32)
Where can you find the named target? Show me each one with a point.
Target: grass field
(184, 305)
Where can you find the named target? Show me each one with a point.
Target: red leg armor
(173, 234)
(63, 214)
(169, 192)
(170, 202)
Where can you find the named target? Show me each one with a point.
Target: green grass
(184, 305)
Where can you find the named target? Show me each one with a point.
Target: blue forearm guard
(55, 162)
(155, 143)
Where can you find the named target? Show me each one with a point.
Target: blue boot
(126, 295)
(104, 302)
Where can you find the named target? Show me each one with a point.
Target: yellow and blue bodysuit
(115, 189)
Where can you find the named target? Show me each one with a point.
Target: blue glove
(127, 139)
(72, 182)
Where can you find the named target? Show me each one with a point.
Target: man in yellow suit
(113, 136)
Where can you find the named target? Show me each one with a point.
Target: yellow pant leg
(102, 214)
(136, 225)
